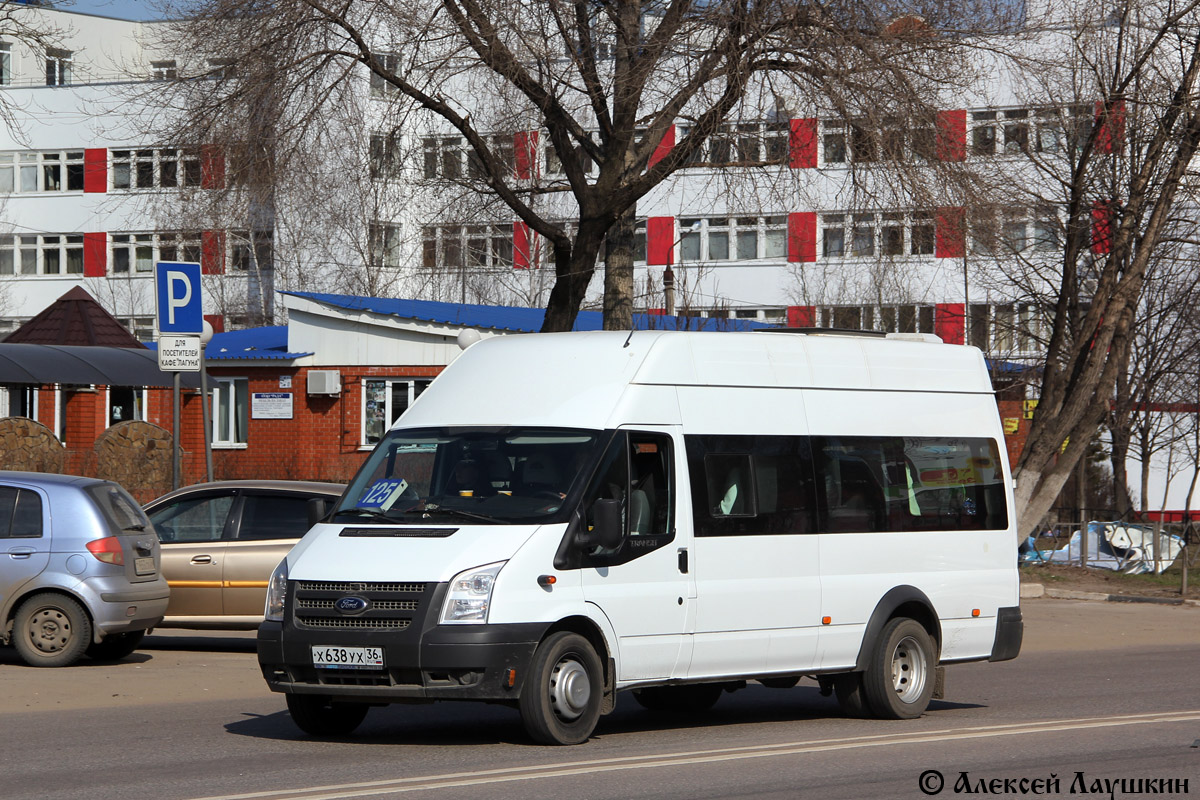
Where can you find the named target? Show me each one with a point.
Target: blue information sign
(177, 297)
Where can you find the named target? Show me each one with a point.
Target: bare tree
(606, 82)
(1117, 95)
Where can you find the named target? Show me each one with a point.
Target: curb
(1038, 590)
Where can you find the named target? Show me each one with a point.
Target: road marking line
(661, 760)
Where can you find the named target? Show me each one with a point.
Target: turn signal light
(107, 550)
(547, 580)
(974, 612)
(826, 620)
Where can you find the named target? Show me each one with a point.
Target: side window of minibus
(751, 485)
(637, 471)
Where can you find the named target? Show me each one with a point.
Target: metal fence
(1135, 547)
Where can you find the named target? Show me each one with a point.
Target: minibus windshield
(470, 475)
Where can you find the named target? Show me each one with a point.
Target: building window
(18, 401)
(725, 238)
(747, 143)
(137, 252)
(983, 133)
(163, 70)
(379, 86)
(126, 403)
(385, 245)
(54, 171)
(41, 254)
(6, 74)
(155, 168)
(384, 400)
(384, 157)
(58, 67)
(250, 251)
(142, 328)
(230, 410)
(221, 68)
(453, 246)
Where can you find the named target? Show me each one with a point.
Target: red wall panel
(660, 240)
(802, 237)
(802, 144)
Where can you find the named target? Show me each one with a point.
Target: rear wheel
(691, 699)
(899, 678)
(319, 715)
(51, 630)
(116, 646)
(560, 700)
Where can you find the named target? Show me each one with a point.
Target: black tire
(51, 630)
(899, 679)
(691, 699)
(560, 699)
(116, 646)
(320, 715)
(850, 695)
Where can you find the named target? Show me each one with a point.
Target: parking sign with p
(177, 295)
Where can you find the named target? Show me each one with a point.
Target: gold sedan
(221, 541)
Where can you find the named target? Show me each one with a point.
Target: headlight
(277, 593)
(470, 595)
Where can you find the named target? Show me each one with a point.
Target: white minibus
(560, 518)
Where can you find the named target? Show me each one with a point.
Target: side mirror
(317, 508)
(608, 531)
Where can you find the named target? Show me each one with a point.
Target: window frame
(415, 386)
(231, 395)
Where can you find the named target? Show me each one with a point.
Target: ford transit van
(560, 518)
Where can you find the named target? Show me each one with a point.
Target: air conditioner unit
(324, 381)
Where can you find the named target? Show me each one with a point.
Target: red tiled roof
(74, 319)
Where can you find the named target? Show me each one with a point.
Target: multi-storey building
(770, 221)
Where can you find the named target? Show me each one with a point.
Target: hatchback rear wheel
(51, 630)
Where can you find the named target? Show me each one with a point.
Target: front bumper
(447, 663)
(423, 660)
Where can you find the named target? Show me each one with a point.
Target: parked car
(220, 542)
(80, 572)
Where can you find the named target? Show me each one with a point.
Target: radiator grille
(390, 607)
(327, 586)
(361, 623)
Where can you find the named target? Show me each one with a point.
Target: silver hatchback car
(80, 569)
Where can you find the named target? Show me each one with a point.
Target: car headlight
(277, 593)
(470, 595)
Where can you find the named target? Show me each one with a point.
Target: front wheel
(899, 679)
(51, 630)
(319, 715)
(560, 700)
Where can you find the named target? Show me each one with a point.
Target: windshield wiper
(367, 512)
(456, 512)
(136, 527)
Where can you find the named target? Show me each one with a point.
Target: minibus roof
(563, 379)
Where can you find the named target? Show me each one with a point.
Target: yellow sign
(1011, 425)
(1029, 406)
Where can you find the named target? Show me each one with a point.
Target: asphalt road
(1101, 692)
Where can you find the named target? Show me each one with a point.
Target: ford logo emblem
(350, 605)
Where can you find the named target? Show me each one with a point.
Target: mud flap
(939, 683)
